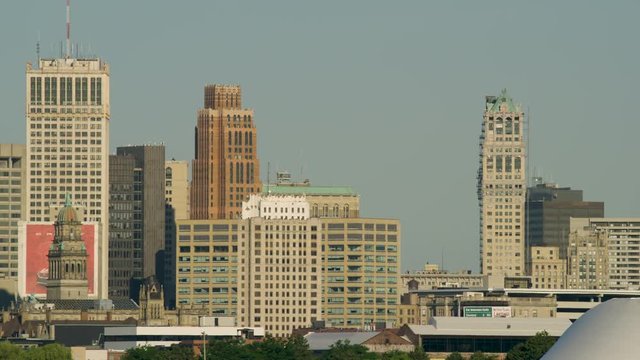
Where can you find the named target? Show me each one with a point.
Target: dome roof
(609, 329)
(68, 213)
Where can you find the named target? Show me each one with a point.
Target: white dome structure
(609, 330)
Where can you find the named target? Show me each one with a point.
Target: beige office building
(178, 188)
(273, 273)
(12, 206)
(623, 244)
(502, 187)
(68, 113)
(548, 270)
(587, 256)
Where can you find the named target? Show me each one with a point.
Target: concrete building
(137, 233)
(324, 201)
(494, 336)
(549, 208)
(226, 169)
(284, 273)
(68, 110)
(122, 211)
(501, 187)
(548, 270)
(434, 278)
(12, 208)
(177, 190)
(607, 248)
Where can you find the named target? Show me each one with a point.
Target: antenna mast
(68, 31)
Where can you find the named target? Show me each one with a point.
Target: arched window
(246, 138)
(499, 126)
(345, 211)
(314, 210)
(168, 173)
(231, 172)
(336, 210)
(325, 210)
(508, 127)
(229, 138)
(66, 267)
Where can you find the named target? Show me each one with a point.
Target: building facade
(177, 207)
(501, 187)
(622, 242)
(226, 169)
(137, 217)
(588, 257)
(68, 111)
(123, 265)
(12, 206)
(548, 270)
(549, 208)
(281, 270)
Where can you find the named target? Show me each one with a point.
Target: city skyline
(296, 119)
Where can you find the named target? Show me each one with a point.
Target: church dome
(68, 214)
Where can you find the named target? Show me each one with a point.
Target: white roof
(609, 330)
(461, 326)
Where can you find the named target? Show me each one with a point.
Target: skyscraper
(12, 210)
(501, 187)
(177, 196)
(226, 169)
(549, 208)
(68, 111)
(138, 216)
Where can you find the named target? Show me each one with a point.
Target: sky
(385, 96)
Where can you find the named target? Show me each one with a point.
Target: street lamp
(204, 345)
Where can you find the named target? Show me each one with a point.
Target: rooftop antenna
(38, 47)
(68, 30)
(268, 177)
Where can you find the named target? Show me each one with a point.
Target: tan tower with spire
(67, 257)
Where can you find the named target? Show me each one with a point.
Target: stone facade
(68, 111)
(548, 270)
(226, 169)
(501, 187)
(67, 258)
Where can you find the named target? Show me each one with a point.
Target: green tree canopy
(532, 349)
(344, 350)
(455, 356)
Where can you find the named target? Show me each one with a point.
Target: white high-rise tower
(502, 187)
(67, 111)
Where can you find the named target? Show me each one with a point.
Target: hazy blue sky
(384, 96)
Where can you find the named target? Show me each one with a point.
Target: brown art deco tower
(226, 169)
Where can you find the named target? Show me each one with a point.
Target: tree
(10, 351)
(229, 349)
(142, 353)
(395, 355)
(478, 355)
(418, 354)
(533, 349)
(455, 356)
(48, 352)
(344, 350)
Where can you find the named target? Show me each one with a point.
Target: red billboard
(37, 241)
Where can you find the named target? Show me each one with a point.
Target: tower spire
(68, 54)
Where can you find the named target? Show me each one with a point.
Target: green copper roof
(309, 190)
(504, 98)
